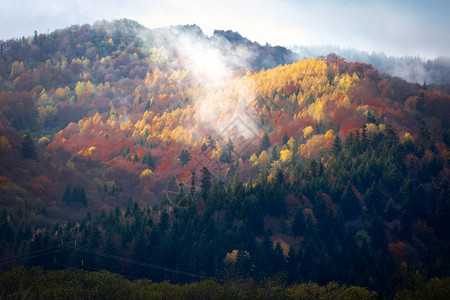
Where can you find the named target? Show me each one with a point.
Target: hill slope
(161, 141)
(98, 99)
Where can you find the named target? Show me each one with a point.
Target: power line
(56, 249)
(26, 256)
(32, 252)
(142, 264)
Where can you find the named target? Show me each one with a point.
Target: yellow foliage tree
(43, 97)
(263, 159)
(307, 131)
(291, 143)
(62, 93)
(86, 62)
(371, 128)
(146, 173)
(253, 159)
(407, 137)
(87, 152)
(44, 141)
(286, 156)
(329, 139)
(63, 63)
(317, 143)
(83, 90)
(17, 68)
(231, 257)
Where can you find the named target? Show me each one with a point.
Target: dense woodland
(116, 154)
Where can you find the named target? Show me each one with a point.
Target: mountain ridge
(413, 69)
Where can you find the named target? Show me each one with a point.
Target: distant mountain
(412, 69)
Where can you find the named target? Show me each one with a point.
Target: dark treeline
(64, 284)
(374, 214)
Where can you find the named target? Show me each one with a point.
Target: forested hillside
(170, 155)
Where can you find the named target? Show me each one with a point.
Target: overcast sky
(395, 27)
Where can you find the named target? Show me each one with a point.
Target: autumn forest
(172, 164)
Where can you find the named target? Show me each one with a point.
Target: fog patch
(218, 93)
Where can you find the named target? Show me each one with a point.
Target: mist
(221, 97)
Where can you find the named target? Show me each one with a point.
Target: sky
(394, 27)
